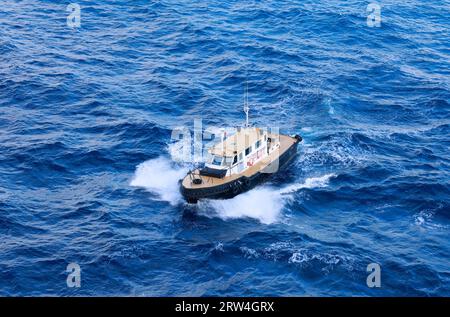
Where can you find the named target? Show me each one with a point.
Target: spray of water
(159, 177)
(262, 203)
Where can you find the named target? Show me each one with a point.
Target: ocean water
(89, 169)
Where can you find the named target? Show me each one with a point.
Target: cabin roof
(238, 142)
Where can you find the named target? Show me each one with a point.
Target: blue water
(89, 168)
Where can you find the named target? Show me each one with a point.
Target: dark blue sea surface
(89, 169)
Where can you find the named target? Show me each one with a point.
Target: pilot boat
(239, 162)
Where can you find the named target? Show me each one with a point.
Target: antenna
(246, 107)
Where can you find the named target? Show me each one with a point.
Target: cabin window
(258, 144)
(235, 159)
(228, 160)
(241, 156)
(217, 160)
(248, 150)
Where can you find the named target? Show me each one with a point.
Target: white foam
(425, 220)
(160, 177)
(262, 203)
(313, 182)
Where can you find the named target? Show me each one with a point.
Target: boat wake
(309, 183)
(160, 177)
(263, 203)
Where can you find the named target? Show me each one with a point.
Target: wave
(426, 219)
(293, 254)
(313, 182)
(262, 203)
(160, 177)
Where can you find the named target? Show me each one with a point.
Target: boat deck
(264, 165)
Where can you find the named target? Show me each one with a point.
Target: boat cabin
(238, 152)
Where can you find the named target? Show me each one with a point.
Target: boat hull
(239, 185)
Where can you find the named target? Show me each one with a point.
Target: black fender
(246, 181)
(236, 187)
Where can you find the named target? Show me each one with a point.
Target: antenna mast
(246, 107)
